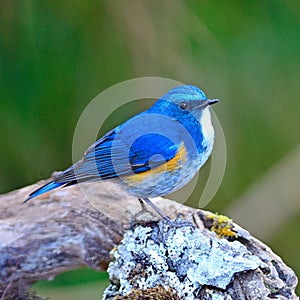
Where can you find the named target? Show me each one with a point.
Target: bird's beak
(205, 103)
(212, 101)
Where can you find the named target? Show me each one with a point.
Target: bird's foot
(178, 223)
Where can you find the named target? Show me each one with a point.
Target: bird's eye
(183, 105)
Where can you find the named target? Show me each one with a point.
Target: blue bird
(153, 153)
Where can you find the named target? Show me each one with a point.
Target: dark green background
(56, 56)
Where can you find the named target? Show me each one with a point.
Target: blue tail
(46, 188)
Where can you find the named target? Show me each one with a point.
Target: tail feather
(44, 189)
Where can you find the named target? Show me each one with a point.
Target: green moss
(222, 226)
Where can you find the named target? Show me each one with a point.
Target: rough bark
(80, 225)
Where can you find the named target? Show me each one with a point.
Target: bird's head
(189, 106)
(188, 99)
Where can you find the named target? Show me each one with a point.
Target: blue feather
(145, 141)
(46, 188)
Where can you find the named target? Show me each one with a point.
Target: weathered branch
(219, 261)
(80, 225)
(61, 230)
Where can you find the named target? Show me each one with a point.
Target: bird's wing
(114, 155)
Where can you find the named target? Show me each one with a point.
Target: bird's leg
(147, 200)
(164, 217)
(143, 205)
(135, 218)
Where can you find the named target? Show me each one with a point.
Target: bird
(154, 153)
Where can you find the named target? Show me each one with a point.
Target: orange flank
(168, 166)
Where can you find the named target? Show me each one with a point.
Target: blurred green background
(56, 56)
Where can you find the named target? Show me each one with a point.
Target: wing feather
(112, 156)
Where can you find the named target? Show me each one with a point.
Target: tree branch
(80, 225)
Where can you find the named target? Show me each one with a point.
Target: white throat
(207, 127)
(208, 133)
